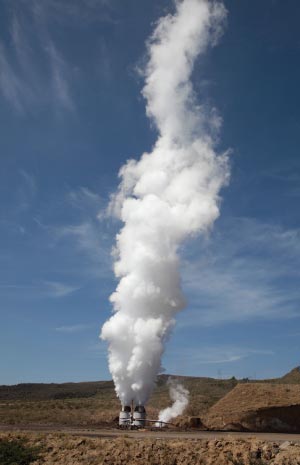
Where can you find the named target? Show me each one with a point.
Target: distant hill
(95, 403)
(199, 387)
(196, 385)
(52, 391)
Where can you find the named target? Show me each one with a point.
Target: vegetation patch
(18, 452)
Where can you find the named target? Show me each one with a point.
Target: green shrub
(17, 452)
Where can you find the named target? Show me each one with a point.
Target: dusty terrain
(257, 407)
(232, 405)
(75, 423)
(61, 449)
(95, 404)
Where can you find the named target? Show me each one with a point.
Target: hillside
(52, 391)
(292, 377)
(95, 403)
(258, 407)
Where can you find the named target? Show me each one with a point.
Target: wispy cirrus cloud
(90, 246)
(26, 191)
(86, 237)
(285, 177)
(84, 199)
(224, 354)
(17, 202)
(59, 71)
(13, 88)
(38, 290)
(73, 329)
(193, 360)
(22, 77)
(90, 238)
(249, 270)
(58, 289)
(97, 350)
(85, 13)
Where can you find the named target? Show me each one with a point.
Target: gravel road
(157, 434)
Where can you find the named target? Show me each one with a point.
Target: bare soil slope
(65, 450)
(258, 407)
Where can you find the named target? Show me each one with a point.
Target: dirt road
(150, 434)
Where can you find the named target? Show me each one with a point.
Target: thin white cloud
(58, 66)
(91, 237)
(84, 13)
(29, 180)
(38, 290)
(86, 236)
(192, 360)
(251, 270)
(97, 350)
(84, 199)
(286, 177)
(22, 77)
(71, 329)
(223, 354)
(56, 289)
(25, 193)
(84, 248)
(61, 90)
(90, 247)
(12, 87)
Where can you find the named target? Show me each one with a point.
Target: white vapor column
(180, 397)
(165, 197)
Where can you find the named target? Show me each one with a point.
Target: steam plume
(180, 397)
(165, 197)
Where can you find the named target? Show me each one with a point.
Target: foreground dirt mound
(258, 407)
(66, 450)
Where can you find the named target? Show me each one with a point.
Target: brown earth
(95, 404)
(60, 449)
(257, 407)
(232, 405)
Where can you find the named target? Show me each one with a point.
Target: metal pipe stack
(131, 417)
(125, 417)
(139, 416)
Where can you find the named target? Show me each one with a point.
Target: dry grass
(248, 397)
(258, 407)
(100, 408)
(65, 450)
(95, 403)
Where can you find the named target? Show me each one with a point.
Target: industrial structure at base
(130, 417)
(134, 418)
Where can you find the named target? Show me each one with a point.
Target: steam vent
(125, 416)
(139, 416)
(132, 418)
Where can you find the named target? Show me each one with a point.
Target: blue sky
(71, 114)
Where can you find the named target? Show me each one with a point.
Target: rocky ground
(60, 449)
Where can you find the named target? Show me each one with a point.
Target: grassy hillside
(53, 391)
(258, 407)
(95, 403)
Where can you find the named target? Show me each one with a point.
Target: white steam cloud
(165, 197)
(180, 397)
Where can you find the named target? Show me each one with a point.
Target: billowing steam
(165, 197)
(180, 397)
